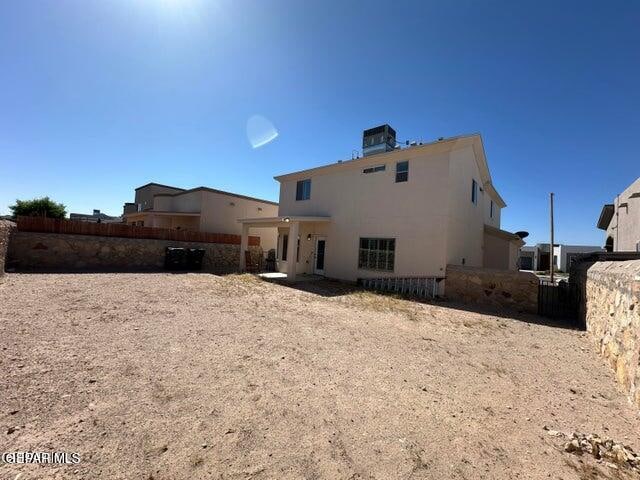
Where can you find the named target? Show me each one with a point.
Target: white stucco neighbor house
(536, 257)
(198, 209)
(395, 212)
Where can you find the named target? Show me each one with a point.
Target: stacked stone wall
(30, 251)
(496, 288)
(611, 312)
(6, 229)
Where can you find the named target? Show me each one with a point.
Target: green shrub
(38, 207)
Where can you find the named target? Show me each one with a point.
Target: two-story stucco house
(392, 213)
(200, 209)
(621, 220)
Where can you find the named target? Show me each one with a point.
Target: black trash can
(175, 258)
(194, 258)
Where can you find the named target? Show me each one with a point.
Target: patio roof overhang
(284, 221)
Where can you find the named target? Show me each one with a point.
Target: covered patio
(292, 224)
(172, 220)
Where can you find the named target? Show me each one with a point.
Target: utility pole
(551, 265)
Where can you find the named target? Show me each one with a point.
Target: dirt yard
(189, 376)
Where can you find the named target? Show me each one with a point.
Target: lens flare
(260, 131)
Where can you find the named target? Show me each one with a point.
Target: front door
(318, 267)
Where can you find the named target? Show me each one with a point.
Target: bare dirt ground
(160, 376)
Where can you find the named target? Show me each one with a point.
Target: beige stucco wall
(144, 196)
(496, 252)
(465, 219)
(190, 202)
(494, 220)
(373, 205)
(625, 224)
(220, 213)
(431, 216)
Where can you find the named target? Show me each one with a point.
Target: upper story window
(474, 192)
(491, 209)
(402, 171)
(303, 189)
(377, 168)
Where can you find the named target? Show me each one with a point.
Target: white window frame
(378, 259)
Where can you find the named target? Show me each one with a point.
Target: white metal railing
(422, 287)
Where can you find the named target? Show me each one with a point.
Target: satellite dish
(522, 234)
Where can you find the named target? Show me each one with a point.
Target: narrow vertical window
(303, 189)
(491, 209)
(285, 246)
(402, 171)
(474, 192)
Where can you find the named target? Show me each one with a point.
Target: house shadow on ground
(334, 288)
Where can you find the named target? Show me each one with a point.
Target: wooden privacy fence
(71, 227)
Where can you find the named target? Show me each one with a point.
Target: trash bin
(175, 258)
(194, 258)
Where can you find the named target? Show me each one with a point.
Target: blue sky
(97, 98)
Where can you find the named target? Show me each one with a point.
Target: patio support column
(294, 230)
(244, 245)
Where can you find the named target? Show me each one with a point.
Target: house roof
(213, 190)
(497, 232)
(101, 216)
(158, 185)
(445, 145)
(605, 216)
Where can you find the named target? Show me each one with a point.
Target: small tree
(38, 207)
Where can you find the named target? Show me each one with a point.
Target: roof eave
(606, 214)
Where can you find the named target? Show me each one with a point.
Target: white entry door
(318, 264)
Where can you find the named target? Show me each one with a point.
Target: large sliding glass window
(377, 254)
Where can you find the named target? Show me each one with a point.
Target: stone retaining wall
(6, 228)
(611, 311)
(52, 252)
(496, 288)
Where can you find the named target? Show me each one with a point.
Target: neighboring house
(536, 257)
(199, 209)
(392, 213)
(95, 217)
(621, 221)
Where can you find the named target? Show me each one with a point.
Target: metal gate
(560, 301)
